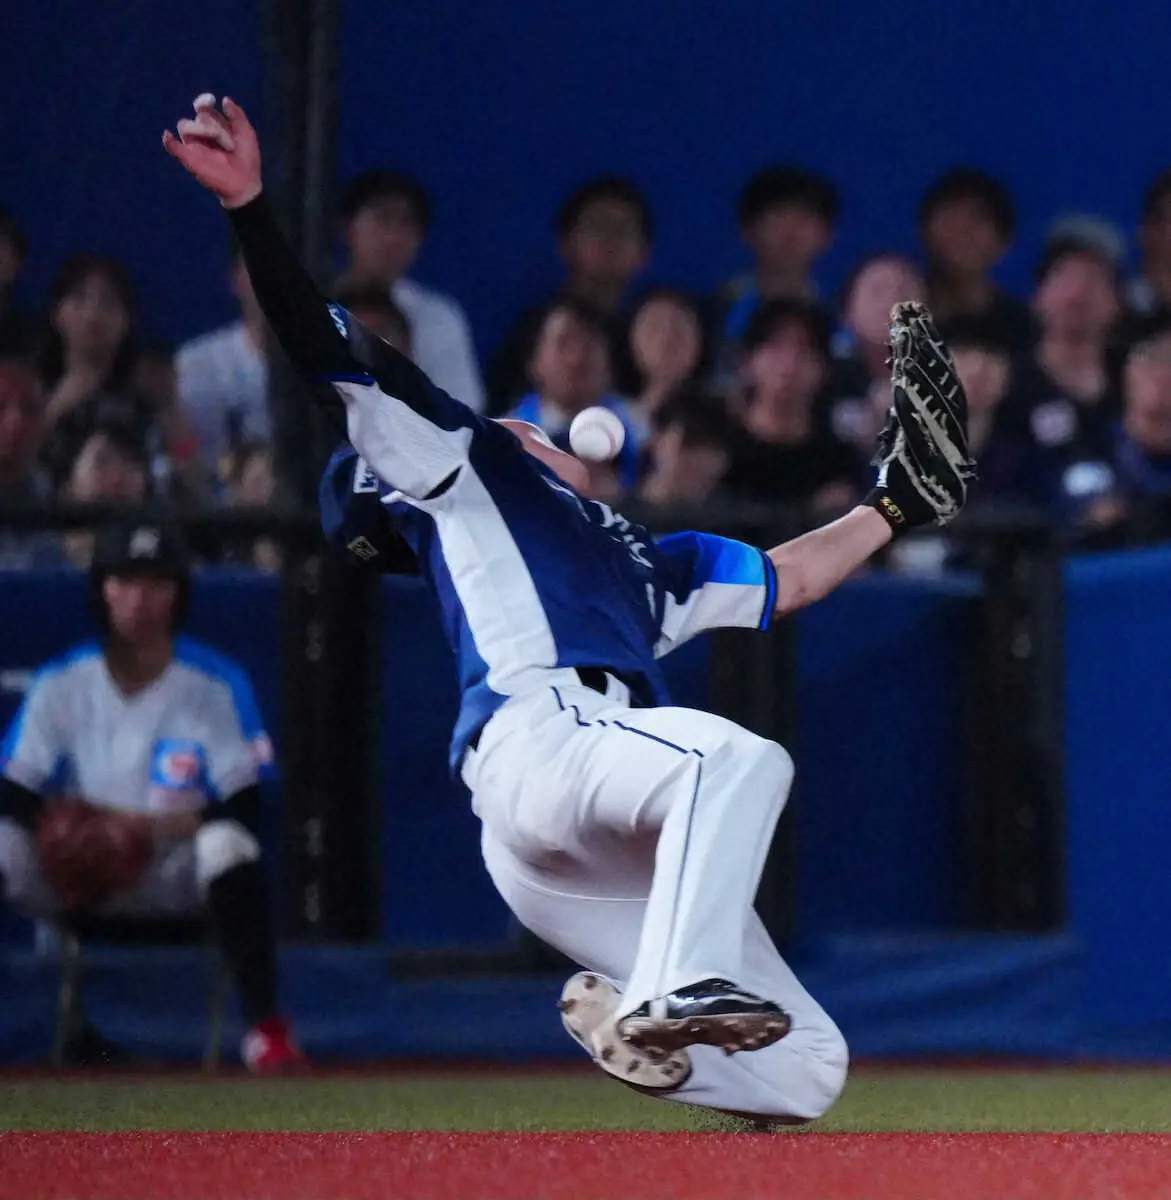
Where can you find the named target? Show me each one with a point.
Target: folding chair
(73, 936)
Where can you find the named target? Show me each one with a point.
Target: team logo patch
(362, 549)
(178, 763)
(364, 478)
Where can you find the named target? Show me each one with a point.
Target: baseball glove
(89, 853)
(924, 465)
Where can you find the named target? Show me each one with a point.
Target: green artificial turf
(875, 1099)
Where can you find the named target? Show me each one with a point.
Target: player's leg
(568, 773)
(798, 1078)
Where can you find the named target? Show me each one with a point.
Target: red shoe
(269, 1048)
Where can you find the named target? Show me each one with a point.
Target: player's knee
(18, 864)
(769, 769)
(219, 847)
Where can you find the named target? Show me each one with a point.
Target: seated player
(625, 832)
(167, 733)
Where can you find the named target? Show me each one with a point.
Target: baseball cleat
(587, 1005)
(713, 1012)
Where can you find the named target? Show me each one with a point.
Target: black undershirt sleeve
(19, 804)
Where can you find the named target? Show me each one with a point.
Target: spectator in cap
(967, 223)
(604, 232)
(786, 217)
(19, 330)
(1150, 292)
(385, 215)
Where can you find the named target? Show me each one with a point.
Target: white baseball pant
(633, 841)
(175, 883)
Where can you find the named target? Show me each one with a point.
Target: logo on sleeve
(362, 549)
(340, 319)
(364, 478)
(178, 764)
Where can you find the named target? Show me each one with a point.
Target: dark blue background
(501, 109)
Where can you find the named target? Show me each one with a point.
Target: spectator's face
(789, 237)
(10, 263)
(140, 607)
(255, 485)
(666, 341)
(1148, 395)
(695, 468)
(20, 413)
(1078, 297)
(103, 471)
(1156, 233)
(879, 287)
(384, 239)
(962, 237)
(571, 363)
(787, 369)
(606, 245)
(985, 375)
(92, 318)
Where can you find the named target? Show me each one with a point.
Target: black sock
(240, 913)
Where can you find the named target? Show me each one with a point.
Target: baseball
(596, 435)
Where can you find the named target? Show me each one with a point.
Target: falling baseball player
(627, 833)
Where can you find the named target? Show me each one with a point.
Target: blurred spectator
(90, 362)
(604, 236)
(177, 466)
(111, 465)
(786, 217)
(376, 310)
(223, 377)
(1103, 491)
(1012, 467)
(18, 330)
(1074, 400)
(667, 347)
(385, 217)
(859, 387)
(571, 369)
(251, 484)
(967, 222)
(1151, 291)
(90, 345)
(690, 448)
(21, 480)
(787, 454)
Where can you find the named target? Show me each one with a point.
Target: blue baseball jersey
(529, 575)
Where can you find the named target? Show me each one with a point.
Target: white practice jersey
(191, 738)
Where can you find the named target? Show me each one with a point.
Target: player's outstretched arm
(412, 434)
(222, 151)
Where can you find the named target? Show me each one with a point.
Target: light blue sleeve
(713, 583)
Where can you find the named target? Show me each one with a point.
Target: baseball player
(627, 833)
(167, 732)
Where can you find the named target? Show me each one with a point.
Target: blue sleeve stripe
(725, 561)
(770, 592)
(218, 666)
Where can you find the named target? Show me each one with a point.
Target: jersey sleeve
(712, 582)
(354, 519)
(36, 746)
(238, 750)
(411, 432)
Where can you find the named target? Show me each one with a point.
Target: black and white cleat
(713, 1012)
(587, 1005)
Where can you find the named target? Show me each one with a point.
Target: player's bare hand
(220, 149)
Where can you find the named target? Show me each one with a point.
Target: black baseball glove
(924, 465)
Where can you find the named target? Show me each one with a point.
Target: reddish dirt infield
(583, 1166)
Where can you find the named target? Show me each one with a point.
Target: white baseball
(596, 435)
